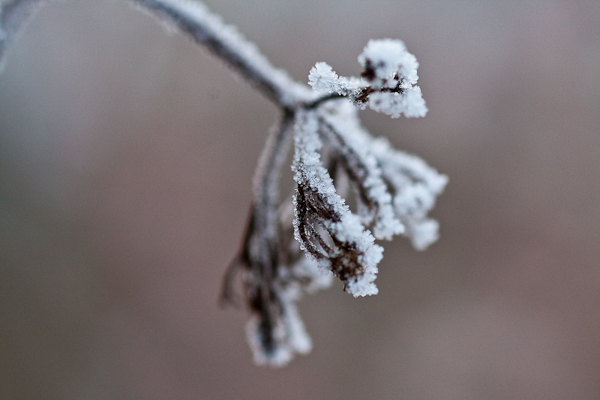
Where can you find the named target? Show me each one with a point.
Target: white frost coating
(391, 67)
(271, 159)
(322, 78)
(289, 335)
(395, 190)
(410, 103)
(388, 83)
(423, 233)
(417, 186)
(310, 173)
(280, 356)
(366, 285)
(414, 184)
(308, 270)
(346, 123)
(388, 57)
(297, 338)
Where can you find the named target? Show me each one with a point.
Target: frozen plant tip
(296, 245)
(388, 83)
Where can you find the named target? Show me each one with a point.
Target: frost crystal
(322, 78)
(323, 224)
(388, 81)
(393, 192)
(386, 62)
(298, 245)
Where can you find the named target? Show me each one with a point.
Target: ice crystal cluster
(388, 84)
(333, 155)
(298, 244)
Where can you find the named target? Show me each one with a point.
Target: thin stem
(317, 102)
(259, 251)
(266, 180)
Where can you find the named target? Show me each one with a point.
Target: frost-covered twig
(296, 245)
(394, 192)
(388, 84)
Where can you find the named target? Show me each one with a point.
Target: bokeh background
(126, 158)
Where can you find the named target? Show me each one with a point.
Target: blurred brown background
(126, 158)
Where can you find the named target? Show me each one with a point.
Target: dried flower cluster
(388, 83)
(393, 192)
(297, 245)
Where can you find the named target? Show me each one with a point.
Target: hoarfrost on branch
(296, 245)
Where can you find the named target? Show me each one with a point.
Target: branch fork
(297, 245)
